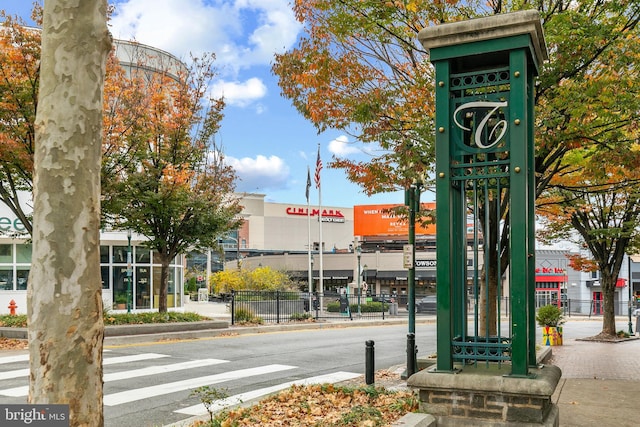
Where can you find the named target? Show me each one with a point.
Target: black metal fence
(591, 308)
(282, 307)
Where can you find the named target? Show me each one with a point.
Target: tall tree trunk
(164, 282)
(64, 295)
(607, 282)
(496, 261)
(488, 301)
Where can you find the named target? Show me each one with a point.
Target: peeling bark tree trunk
(64, 294)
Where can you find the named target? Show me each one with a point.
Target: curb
(140, 329)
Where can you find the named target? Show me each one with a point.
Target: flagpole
(309, 263)
(320, 249)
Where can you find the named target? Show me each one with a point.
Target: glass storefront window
(6, 278)
(104, 272)
(143, 255)
(22, 277)
(104, 254)
(171, 288)
(156, 286)
(178, 281)
(120, 254)
(119, 284)
(143, 287)
(23, 253)
(6, 253)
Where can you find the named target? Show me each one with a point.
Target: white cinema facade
(15, 263)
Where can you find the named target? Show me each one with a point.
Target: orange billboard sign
(380, 220)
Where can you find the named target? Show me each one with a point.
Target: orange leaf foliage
(325, 404)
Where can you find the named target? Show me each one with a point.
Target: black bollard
(411, 354)
(369, 363)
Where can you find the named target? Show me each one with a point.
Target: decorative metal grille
(480, 171)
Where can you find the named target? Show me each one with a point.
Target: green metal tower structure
(485, 189)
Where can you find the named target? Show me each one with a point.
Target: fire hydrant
(12, 307)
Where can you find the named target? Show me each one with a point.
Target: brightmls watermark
(34, 415)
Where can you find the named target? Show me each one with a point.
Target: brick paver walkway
(598, 360)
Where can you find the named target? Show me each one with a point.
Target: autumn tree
(19, 78)
(64, 295)
(360, 69)
(258, 279)
(19, 83)
(596, 205)
(593, 199)
(175, 189)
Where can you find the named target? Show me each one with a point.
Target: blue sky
(269, 144)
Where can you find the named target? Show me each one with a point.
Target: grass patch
(18, 321)
(151, 317)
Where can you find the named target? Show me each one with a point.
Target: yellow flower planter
(552, 335)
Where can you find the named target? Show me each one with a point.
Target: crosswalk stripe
(158, 390)
(13, 359)
(162, 369)
(24, 358)
(24, 390)
(200, 409)
(132, 358)
(16, 373)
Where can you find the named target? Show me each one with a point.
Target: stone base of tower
(485, 395)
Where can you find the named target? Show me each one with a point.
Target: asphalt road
(275, 358)
(150, 384)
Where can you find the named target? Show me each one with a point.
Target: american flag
(318, 169)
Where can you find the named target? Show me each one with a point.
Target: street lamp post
(129, 275)
(359, 254)
(412, 200)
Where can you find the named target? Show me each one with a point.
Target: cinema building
(365, 238)
(280, 235)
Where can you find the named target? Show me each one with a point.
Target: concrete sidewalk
(600, 384)
(214, 310)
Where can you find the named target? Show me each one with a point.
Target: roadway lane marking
(199, 409)
(22, 358)
(13, 359)
(162, 369)
(24, 390)
(189, 384)
(132, 358)
(16, 373)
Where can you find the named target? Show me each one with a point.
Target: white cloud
(341, 147)
(260, 174)
(241, 33)
(239, 93)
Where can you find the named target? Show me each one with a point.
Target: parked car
(636, 312)
(382, 298)
(426, 304)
